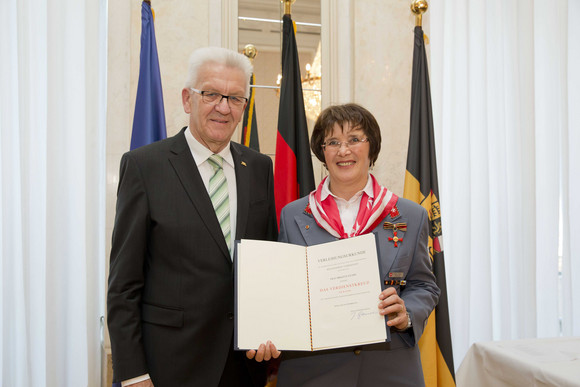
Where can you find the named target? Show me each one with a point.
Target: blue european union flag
(149, 119)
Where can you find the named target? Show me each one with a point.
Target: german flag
(293, 174)
(421, 186)
(249, 124)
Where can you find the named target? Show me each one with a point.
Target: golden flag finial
(287, 6)
(250, 51)
(419, 7)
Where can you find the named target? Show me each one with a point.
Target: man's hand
(394, 307)
(144, 383)
(265, 352)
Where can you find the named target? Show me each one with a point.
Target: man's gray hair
(218, 56)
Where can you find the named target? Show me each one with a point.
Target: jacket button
(357, 351)
(230, 316)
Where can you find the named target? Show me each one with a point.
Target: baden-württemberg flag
(293, 174)
(149, 118)
(249, 124)
(421, 186)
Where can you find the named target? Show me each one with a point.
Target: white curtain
(505, 86)
(52, 162)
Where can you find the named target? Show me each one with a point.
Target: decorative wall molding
(337, 51)
(229, 22)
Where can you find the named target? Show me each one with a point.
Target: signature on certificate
(361, 313)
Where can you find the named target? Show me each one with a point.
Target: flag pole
(419, 7)
(287, 6)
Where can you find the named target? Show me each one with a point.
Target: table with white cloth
(531, 362)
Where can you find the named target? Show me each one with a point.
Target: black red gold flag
(249, 124)
(293, 174)
(421, 186)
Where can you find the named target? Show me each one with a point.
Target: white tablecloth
(534, 362)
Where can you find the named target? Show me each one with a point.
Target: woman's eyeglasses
(334, 145)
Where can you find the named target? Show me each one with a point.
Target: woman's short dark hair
(357, 116)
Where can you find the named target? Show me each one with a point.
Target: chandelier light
(311, 87)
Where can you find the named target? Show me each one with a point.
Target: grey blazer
(398, 362)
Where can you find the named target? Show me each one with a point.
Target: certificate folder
(308, 298)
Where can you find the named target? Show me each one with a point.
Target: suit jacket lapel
(311, 232)
(243, 190)
(187, 172)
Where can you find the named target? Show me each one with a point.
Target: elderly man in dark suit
(181, 204)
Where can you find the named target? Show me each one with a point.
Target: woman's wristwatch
(409, 323)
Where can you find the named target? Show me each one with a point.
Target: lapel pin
(244, 163)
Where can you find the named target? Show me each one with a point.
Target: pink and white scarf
(370, 213)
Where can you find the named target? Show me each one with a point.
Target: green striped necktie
(218, 192)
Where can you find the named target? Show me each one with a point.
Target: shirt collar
(368, 189)
(201, 153)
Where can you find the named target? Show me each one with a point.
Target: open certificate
(308, 298)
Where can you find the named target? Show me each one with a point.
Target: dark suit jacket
(398, 362)
(170, 298)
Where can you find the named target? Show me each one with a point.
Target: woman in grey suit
(350, 202)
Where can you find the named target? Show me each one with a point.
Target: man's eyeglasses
(213, 98)
(334, 145)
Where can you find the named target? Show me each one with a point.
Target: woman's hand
(265, 352)
(393, 306)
